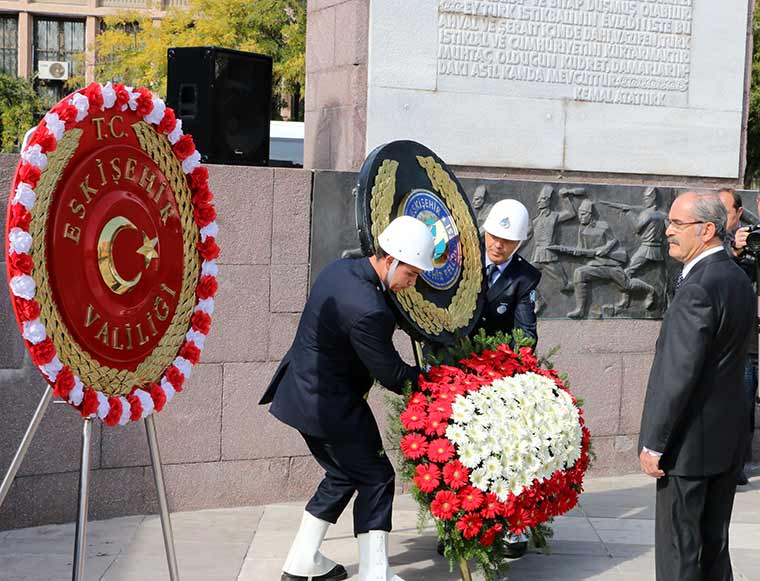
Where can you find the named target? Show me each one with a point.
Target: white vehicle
(286, 143)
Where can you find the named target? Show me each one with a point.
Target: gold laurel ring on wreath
(112, 381)
(429, 316)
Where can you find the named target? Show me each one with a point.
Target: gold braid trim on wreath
(429, 316)
(108, 380)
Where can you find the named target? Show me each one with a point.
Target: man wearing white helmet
(511, 294)
(512, 281)
(343, 344)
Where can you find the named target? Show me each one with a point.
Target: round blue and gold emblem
(447, 258)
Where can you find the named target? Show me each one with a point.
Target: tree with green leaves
(20, 109)
(132, 48)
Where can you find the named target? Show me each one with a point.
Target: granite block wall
(219, 448)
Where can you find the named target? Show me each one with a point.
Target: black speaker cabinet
(224, 100)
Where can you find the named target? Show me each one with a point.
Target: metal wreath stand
(84, 486)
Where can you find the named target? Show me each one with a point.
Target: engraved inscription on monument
(632, 52)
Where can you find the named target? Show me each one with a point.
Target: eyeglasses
(679, 225)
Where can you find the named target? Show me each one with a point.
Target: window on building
(58, 40)
(9, 45)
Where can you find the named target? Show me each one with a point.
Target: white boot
(304, 558)
(373, 557)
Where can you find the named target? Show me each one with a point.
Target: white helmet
(410, 241)
(508, 219)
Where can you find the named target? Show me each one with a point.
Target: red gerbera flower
(456, 475)
(490, 535)
(470, 525)
(414, 418)
(528, 358)
(519, 521)
(418, 398)
(414, 446)
(471, 498)
(427, 478)
(436, 424)
(445, 505)
(440, 406)
(440, 450)
(491, 506)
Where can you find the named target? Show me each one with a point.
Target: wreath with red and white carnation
(72, 110)
(493, 445)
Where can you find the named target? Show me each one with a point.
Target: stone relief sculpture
(481, 205)
(649, 223)
(606, 258)
(544, 231)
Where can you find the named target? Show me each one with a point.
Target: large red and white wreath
(493, 444)
(143, 399)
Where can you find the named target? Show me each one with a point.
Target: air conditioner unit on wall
(55, 70)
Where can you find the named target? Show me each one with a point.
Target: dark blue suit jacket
(509, 302)
(695, 411)
(343, 343)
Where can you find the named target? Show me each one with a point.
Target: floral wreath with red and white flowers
(492, 444)
(145, 399)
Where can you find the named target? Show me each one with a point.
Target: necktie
(679, 281)
(490, 270)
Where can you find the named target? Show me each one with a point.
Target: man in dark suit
(343, 344)
(693, 428)
(512, 280)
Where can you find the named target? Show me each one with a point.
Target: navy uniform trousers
(353, 466)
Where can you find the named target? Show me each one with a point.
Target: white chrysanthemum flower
(501, 489)
(456, 435)
(492, 466)
(479, 478)
(514, 431)
(468, 456)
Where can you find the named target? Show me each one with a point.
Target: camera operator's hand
(740, 240)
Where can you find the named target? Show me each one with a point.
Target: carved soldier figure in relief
(544, 232)
(649, 223)
(481, 206)
(606, 255)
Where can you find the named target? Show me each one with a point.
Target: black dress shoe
(439, 548)
(515, 550)
(337, 573)
(742, 479)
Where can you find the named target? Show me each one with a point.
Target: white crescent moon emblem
(108, 271)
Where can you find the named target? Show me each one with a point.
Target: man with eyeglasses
(693, 427)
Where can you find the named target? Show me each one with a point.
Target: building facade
(52, 41)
